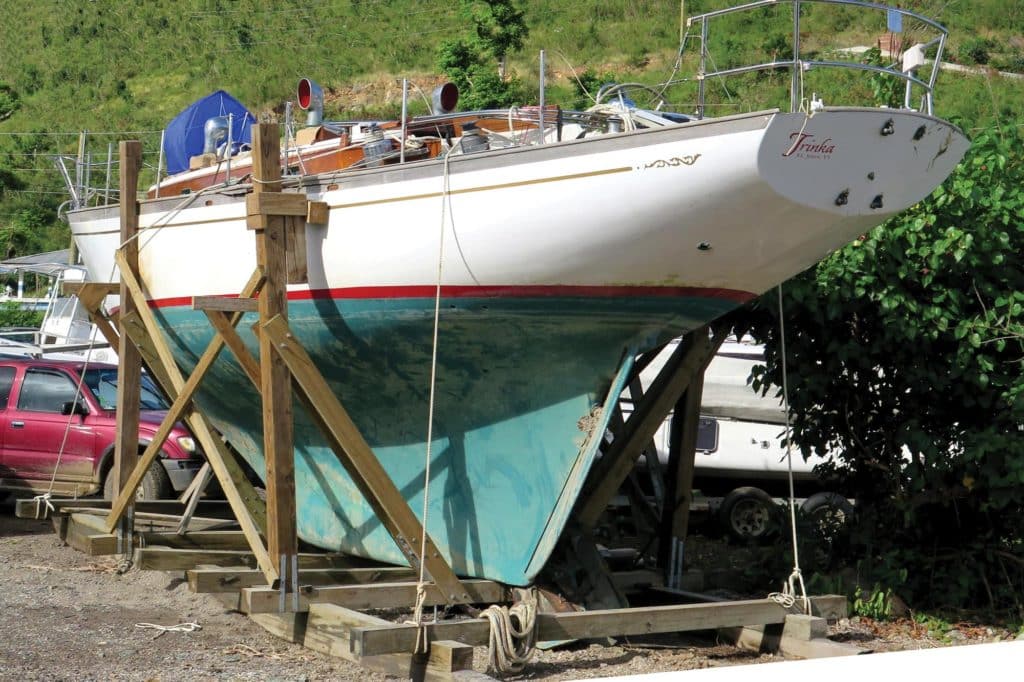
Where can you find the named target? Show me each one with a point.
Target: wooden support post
(196, 488)
(275, 380)
(360, 462)
(675, 516)
(129, 382)
(647, 416)
(182, 402)
(245, 504)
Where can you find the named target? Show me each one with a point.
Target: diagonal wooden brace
(362, 464)
(181, 404)
(221, 460)
(649, 414)
(91, 296)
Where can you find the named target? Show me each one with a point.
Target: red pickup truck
(57, 430)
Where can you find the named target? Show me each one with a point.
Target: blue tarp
(183, 137)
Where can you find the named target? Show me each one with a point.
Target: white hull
(625, 210)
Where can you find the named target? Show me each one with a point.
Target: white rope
(421, 586)
(45, 497)
(513, 634)
(788, 595)
(164, 629)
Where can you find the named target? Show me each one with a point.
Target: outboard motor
(215, 130)
(444, 99)
(311, 99)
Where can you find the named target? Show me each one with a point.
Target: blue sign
(895, 21)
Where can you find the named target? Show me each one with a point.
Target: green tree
(479, 86)
(500, 28)
(13, 315)
(905, 353)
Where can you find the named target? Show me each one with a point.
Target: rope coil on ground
(510, 645)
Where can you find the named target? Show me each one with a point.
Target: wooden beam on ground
(174, 559)
(246, 505)
(328, 628)
(181, 403)
(648, 415)
(269, 207)
(580, 625)
(361, 463)
(233, 579)
(325, 628)
(129, 371)
(104, 543)
(211, 509)
(364, 597)
(799, 637)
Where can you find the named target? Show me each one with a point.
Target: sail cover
(183, 137)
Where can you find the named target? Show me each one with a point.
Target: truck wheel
(748, 513)
(154, 486)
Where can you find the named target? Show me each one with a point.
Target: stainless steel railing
(797, 65)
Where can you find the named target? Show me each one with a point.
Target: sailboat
(566, 243)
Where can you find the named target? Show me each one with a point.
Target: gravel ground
(68, 616)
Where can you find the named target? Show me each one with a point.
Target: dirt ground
(68, 616)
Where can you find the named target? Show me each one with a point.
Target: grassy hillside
(109, 67)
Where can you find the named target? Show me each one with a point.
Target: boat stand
(319, 599)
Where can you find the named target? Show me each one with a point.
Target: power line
(88, 133)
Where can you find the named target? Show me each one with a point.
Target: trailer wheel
(748, 513)
(828, 512)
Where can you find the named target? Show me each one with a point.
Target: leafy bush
(8, 101)
(1014, 63)
(906, 357)
(975, 51)
(875, 603)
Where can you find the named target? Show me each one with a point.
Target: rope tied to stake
(513, 635)
(788, 596)
(41, 500)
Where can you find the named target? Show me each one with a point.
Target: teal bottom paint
(520, 387)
